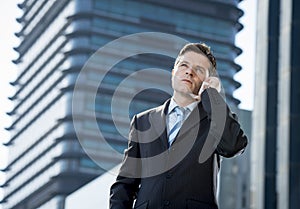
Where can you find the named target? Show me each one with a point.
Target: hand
(209, 82)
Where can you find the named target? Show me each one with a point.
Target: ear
(173, 71)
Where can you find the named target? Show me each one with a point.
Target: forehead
(194, 58)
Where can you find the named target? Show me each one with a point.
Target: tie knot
(179, 111)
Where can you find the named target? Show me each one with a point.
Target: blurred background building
(275, 158)
(46, 161)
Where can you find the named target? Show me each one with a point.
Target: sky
(246, 39)
(8, 71)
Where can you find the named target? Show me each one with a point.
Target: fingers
(212, 82)
(206, 85)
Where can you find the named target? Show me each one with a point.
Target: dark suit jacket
(155, 176)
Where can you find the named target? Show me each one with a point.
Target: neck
(182, 99)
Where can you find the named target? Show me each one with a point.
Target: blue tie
(176, 126)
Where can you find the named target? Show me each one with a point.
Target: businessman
(174, 150)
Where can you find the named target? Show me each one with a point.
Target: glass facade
(276, 163)
(46, 160)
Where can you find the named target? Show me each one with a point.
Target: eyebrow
(198, 67)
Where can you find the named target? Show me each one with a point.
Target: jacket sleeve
(123, 191)
(224, 126)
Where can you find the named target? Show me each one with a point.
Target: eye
(200, 70)
(183, 65)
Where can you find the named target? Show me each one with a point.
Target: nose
(189, 71)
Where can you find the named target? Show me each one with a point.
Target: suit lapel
(196, 116)
(158, 121)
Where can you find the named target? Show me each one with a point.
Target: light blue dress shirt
(171, 114)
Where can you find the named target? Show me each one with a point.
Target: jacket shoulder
(150, 111)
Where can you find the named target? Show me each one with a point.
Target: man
(174, 150)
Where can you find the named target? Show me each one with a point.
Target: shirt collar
(173, 104)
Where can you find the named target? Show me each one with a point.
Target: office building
(275, 159)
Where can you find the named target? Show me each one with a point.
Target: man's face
(190, 72)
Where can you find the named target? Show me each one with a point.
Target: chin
(187, 92)
(184, 90)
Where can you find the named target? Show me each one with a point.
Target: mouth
(187, 81)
